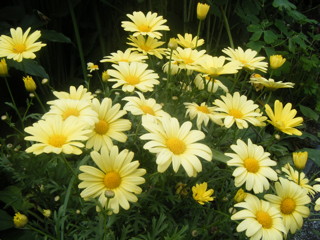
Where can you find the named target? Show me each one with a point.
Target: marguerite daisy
(201, 194)
(127, 56)
(203, 81)
(147, 45)
(187, 41)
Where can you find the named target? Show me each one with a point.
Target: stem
(227, 27)
(41, 232)
(169, 74)
(198, 33)
(78, 41)
(40, 102)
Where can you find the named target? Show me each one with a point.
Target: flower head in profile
(270, 83)
(240, 195)
(202, 10)
(80, 93)
(109, 125)
(302, 180)
(133, 76)
(201, 194)
(127, 56)
(116, 174)
(142, 24)
(3, 68)
(29, 84)
(142, 106)
(317, 205)
(260, 219)
(300, 159)
(175, 144)
(92, 67)
(187, 58)
(20, 220)
(147, 46)
(283, 118)
(202, 112)
(276, 61)
(291, 200)
(20, 45)
(253, 166)
(54, 135)
(246, 59)
(188, 41)
(203, 81)
(237, 109)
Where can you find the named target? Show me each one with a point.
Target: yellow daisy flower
(240, 195)
(187, 58)
(188, 41)
(283, 118)
(202, 11)
(175, 144)
(260, 219)
(141, 106)
(276, 61)
(203, 112)
(143, 24)
(246, 59)
(116, 172)
(291, 201)
(201, 194)
(65, 108)
(127, 56)
(270, 83)
(293, 175)
(109, 125)
(56, 136)
(92, 67)
(215, 66)
(79, 93)
(133, 75)
(203, 81)
(237, 109)
(20, 45)
(147, 45)
(253, 166)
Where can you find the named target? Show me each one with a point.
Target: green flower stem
(99, 28)
(168, 75)
(79, 44)
(268, 98)
(198, 33)
(226, 23)
(14, 103)
(40, 102)
(40, 232)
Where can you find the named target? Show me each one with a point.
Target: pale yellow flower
(253, 166)
(20, 45)
(74, 93)
(116, 172)
(201, 194)
(143, 24)
(127, 56)
(202, 10)
(202, 80)
(270, 83)
(188, 41)
(283, 118)
(246, 59)
(147, 45)
(276, 61)
(187, 58)
(291, 201)
(260, 219)
(92, 67)
(300, 159)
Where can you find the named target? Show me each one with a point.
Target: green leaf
(308, 112)
(217, 155)
(54, 36)
(283, 4)
(256, 35)
(269, 36)
(313, 154)
(6, 221)
(12, 196)
(253, 28)
(29, 67)
(255, 45)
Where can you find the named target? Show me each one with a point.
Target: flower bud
(173, 44)
(20, 220)
(276, 61)
(105, 76)
(240, 195)
(109, 193)
(202, 11)
(3, 68)
(300, 159)
(46, 213)
(29, 84)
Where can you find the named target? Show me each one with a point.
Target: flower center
(144, 28)
(147, 110)
(145, 48)
(203, 109)
(288, 205)
(176, 145)
(187, 60)
(70, 112)
(57, 140)
(264, 219)
(132, 80)
(251, 164)
(19, 48)
(112, 180)
(101, 127)
(235, 113)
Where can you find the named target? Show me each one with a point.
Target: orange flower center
(264, 219)
(203, 109)
(19, 48)
(187, 60)
(101, 127)
(112, 180)
(57, 140)
(235, 113)
(144, 28)
(147, 110)
(70, 112)
(133, 80)
(176, 145)
(145, 48)
(288, 205)
(251, 164)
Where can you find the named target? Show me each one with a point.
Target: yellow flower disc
(19, 48)
(251, 164)
(264, 219)
(101, 127)
(203, 109)
(236, 113)
(132, 80)
(70, 112)
(288, 205)
(176, 145)
(57, 140)
(147, 110)
(112, 180)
